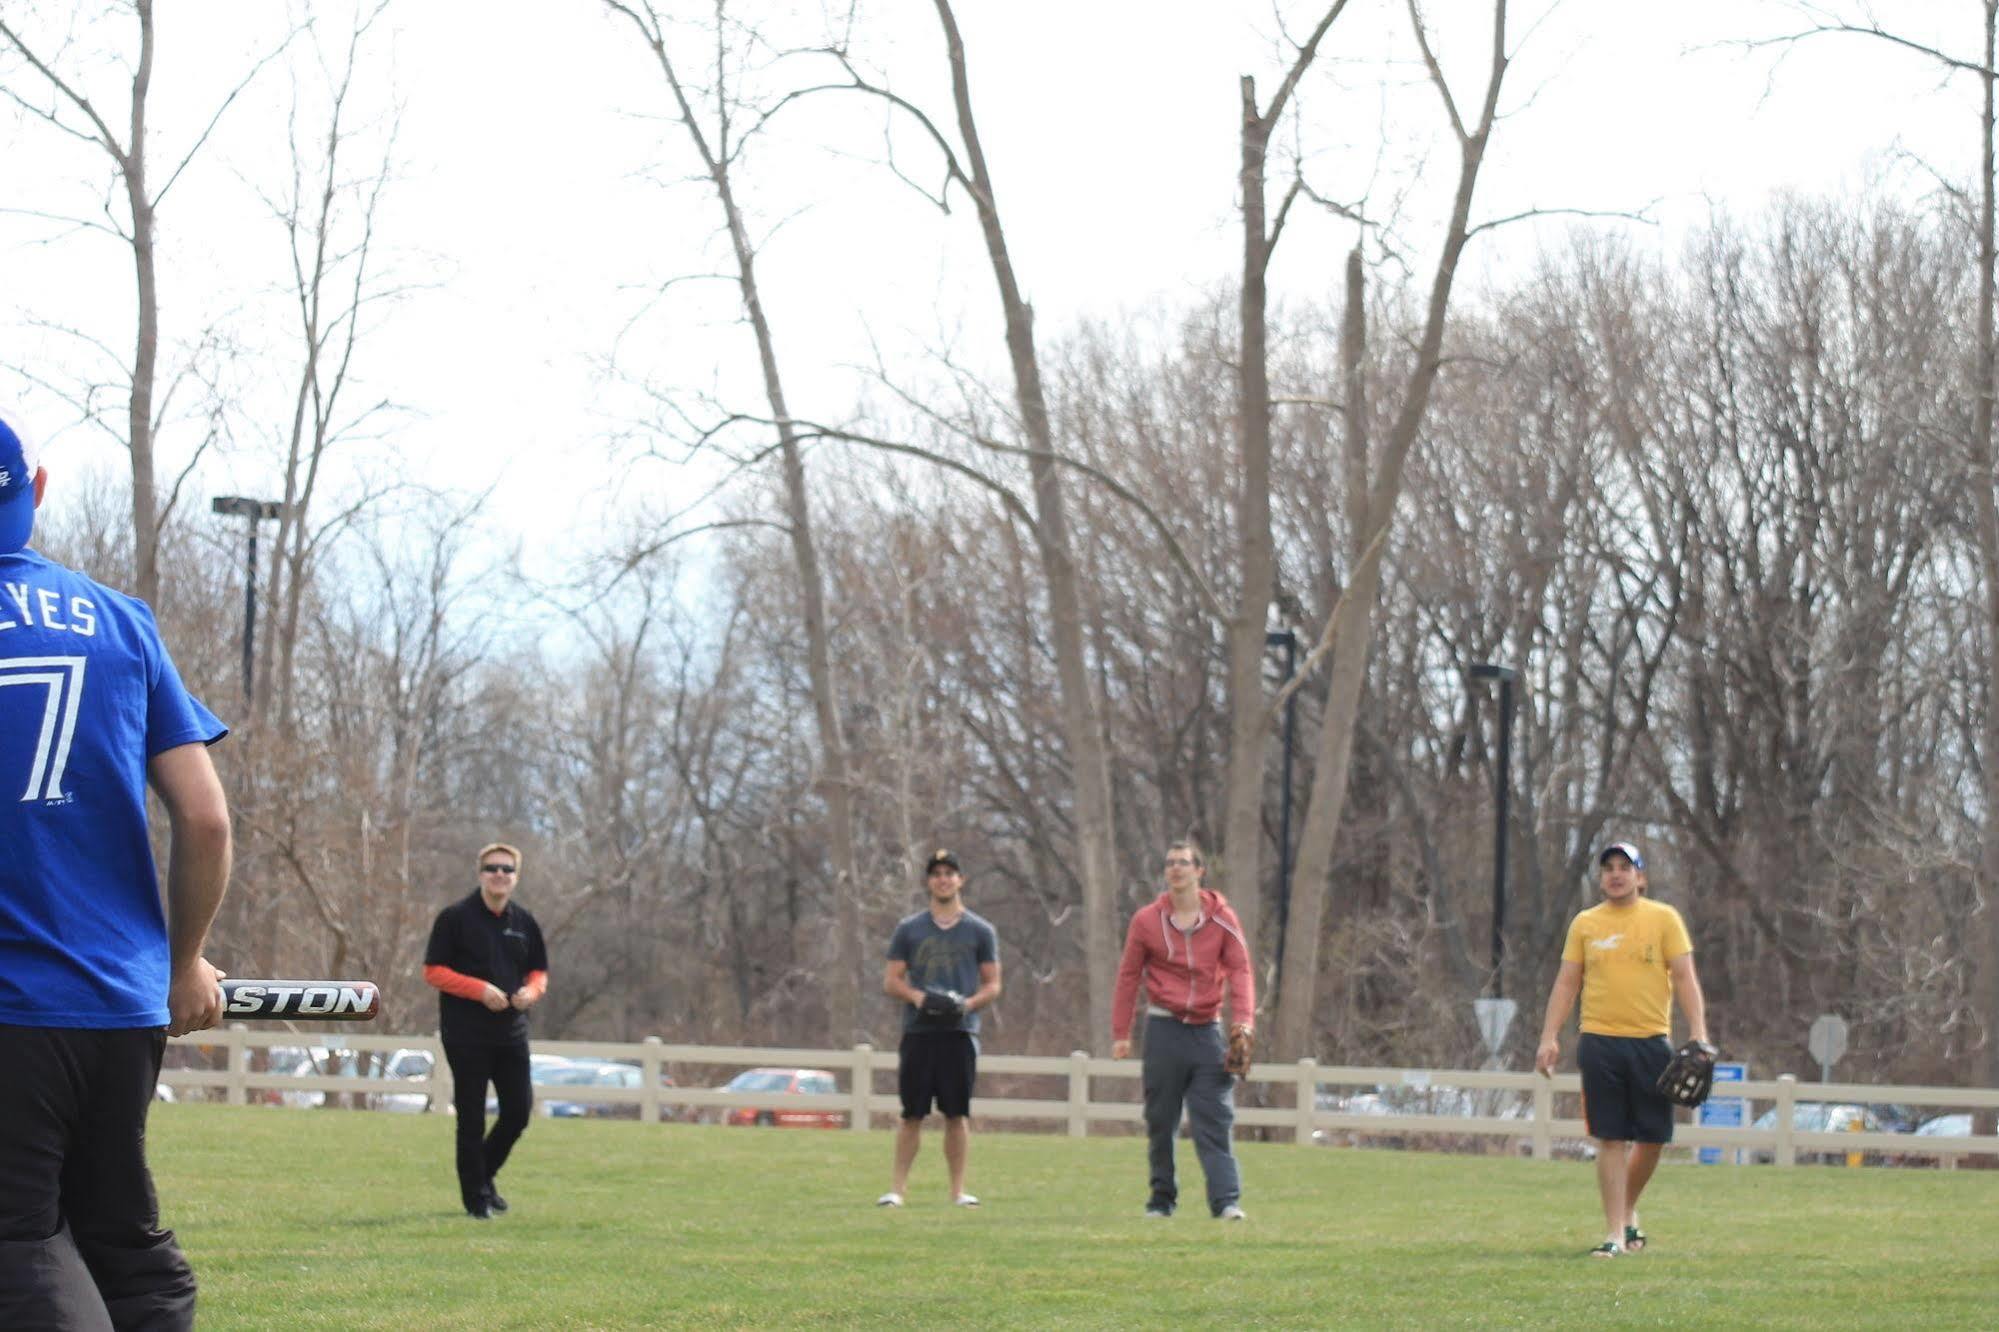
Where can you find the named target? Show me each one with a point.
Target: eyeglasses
(1179, 860)
(498, 869)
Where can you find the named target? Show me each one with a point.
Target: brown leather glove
(1242, 1050)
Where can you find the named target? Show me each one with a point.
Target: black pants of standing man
(80, 1240)
(480, 1153)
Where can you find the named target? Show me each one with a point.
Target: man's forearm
(1695, 1003)
(197, 878)
(1561, 1000)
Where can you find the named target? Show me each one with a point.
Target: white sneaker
(1233, 1213)
(890, 1199)
(965, 1200)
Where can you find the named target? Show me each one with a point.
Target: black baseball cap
(941, 857)
(1625, 849)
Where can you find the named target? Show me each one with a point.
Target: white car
(398, 1065)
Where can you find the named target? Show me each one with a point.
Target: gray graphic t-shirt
(943, 959)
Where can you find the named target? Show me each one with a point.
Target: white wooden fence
(1527, 1100)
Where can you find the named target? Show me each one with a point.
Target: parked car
(543, 1069)
(801, 1082)
(590, 1073)
(1823, 1117)
(320, 1061)
(1954, 1125)
(1450, 1102)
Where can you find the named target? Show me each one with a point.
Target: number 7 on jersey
(62, 678)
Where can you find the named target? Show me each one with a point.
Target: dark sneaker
(480, 1213)
(493, 1199)
(1161, 1212)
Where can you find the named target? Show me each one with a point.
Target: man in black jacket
(489, 965)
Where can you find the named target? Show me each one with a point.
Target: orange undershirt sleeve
(455, 982)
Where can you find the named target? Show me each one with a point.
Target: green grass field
(338, 1219)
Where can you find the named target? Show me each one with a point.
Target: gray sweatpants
(1183, 1066)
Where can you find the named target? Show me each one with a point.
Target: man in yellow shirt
(1630, 958)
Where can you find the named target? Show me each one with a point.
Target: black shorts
(1621, 1101)
(937, 1066)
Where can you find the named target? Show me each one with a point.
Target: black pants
(481, 1154)
(80, 1241)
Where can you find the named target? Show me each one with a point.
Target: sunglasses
(498, 869)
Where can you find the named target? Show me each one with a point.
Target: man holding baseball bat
(488, 963)
(93, 974)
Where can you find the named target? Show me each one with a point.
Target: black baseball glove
(1690, 1076)
(942, 1005)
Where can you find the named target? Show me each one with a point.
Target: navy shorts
(1621, 1100)
(937, 1066)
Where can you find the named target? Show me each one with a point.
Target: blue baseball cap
(19, 457)
(1625, 849)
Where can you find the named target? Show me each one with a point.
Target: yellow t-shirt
(1627, 990)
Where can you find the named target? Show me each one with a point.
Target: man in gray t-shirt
(943, 964)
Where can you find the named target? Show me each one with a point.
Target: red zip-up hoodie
(1185, 971)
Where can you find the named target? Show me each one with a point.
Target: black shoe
(493, 1199)
(479, 1213)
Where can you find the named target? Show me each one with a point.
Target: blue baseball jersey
(88, 695)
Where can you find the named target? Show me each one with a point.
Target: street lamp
(236, 506)
(1287, 640)
(1502, 784)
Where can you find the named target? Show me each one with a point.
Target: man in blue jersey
(94, 974)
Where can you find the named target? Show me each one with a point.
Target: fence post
(236, 1093)
(1787, 1098)
(1544, 1119)
(649, 1079)
(859, 1119)
(443, 1096)
(1079, 1093)
(1308, 1098)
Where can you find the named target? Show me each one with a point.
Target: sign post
(1724, 1111)
(1827, 1042)
(1495, 1016)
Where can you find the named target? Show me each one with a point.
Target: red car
(801, 1082)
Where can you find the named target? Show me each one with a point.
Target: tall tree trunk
(1249, 718)
(1249, 721)
(1985, 938)
(1096, 843)
(145, 356)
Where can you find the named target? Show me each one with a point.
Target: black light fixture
(238, 506)
(1502, 786)
(1287, 640)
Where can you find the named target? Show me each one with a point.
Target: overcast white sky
(534, 201)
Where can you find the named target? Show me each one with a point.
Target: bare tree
(1982, 216)
(72, 110)
(719, 145)
(328, 214)
(1249, 710)
(1349, 627)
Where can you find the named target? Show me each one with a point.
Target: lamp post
(1287, 640)
(236, 506)
(1502, 785)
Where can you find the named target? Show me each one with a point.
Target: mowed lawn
(342, 1219)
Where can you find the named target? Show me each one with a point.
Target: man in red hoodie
(1187, 945)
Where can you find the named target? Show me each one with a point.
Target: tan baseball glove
(1242, 1051)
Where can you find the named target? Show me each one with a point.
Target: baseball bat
(302, 1001)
